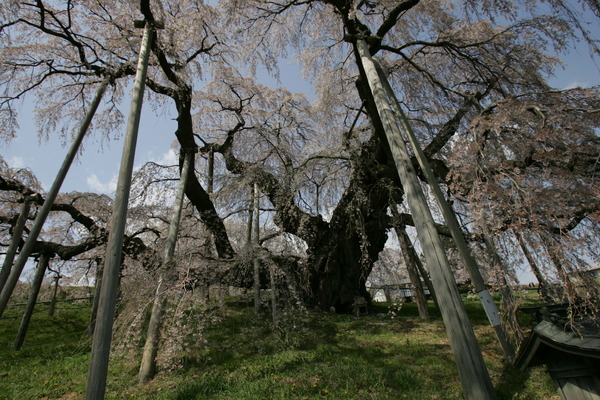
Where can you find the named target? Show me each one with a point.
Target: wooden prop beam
(34, 291)
(45, 209)
(148, 365)
(472, 370)
(14, 242)
(96, 382)
(451, 221)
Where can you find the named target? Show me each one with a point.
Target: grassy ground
(325, 356)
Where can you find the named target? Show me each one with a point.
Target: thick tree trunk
(33, 294)
(339, 275)
(341, 261)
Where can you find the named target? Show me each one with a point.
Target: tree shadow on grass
(512, 382)
(241, 336)
(344, 351)
(361, 364)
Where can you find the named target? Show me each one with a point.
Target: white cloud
(171, 157)
(16, 162)
(94, 183)
(576, 84)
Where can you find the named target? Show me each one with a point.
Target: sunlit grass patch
(327, 356)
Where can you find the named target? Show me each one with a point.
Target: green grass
(325, 356)
(53, 358)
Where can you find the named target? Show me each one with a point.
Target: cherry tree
(450, 63)
(531, 172)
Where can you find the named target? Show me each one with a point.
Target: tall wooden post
(148, 365)
(472, 370)
(211, 171)
(274, 306)
(208, 241)
(55, 281)
(96, 382)
(14, 242)
(552, 248)
(417, 262)
(256, 244)
(461, 244)
(33, 295)
(542, 283)
(508, 298)
(250, 217)
(96, 298)
(413, 272)
(45, 209)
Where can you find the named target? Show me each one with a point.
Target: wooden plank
(583, 388)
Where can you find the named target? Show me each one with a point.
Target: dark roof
(578, 334)
(546, 335)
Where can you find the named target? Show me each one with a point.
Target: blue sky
(96, 167)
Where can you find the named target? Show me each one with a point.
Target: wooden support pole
(274, 307)
(96, 298)
(256, 244)
(250, 217)
(96, 382)
(45, 209)
(542, 282)
(461, 244)
(208, 242)
(33, 295)
(413, 272)
(148, 364)
(552, 244)
(472, 370)
(417, 262)
(52, 308)
(507, 296)
(14, 242)
(211, 171)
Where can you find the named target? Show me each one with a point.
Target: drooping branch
(133, 246)
(291, 218)
(182, 96)
(7, 184)
(392, 18)
(450, 128)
